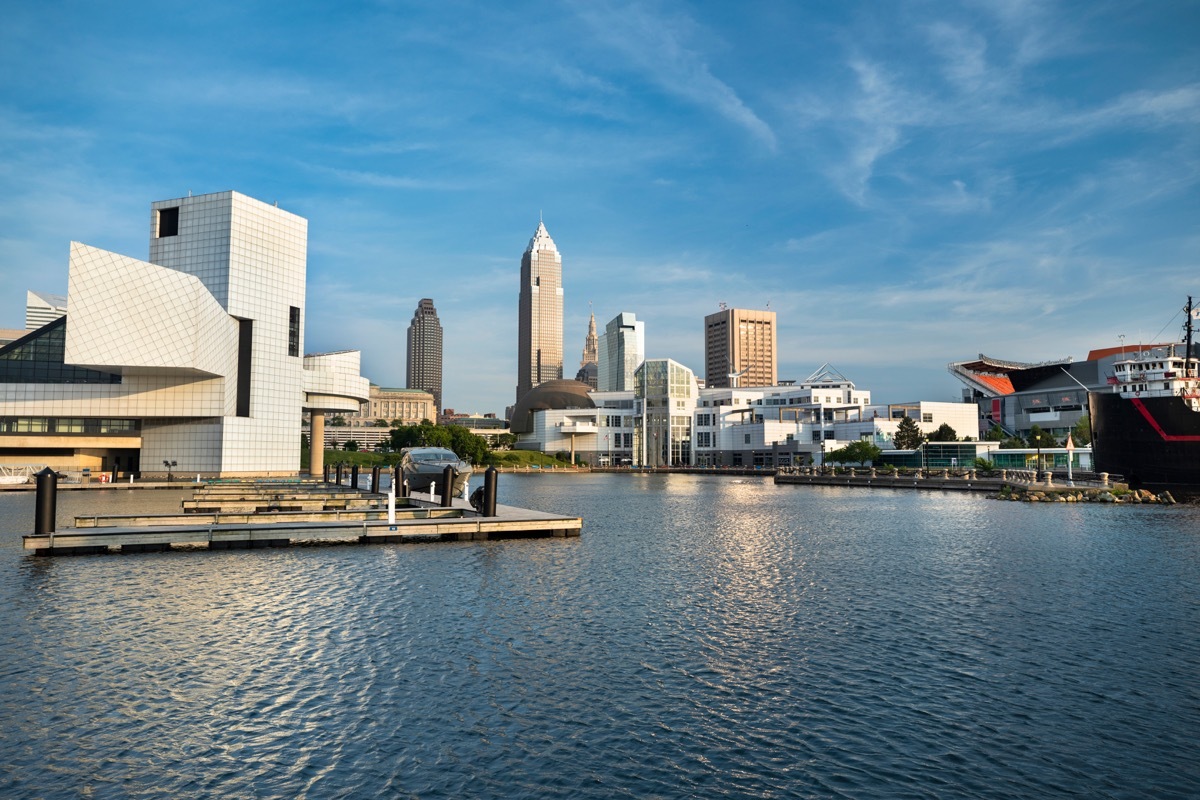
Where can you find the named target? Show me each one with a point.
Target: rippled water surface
(705, 637)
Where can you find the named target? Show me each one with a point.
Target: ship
(421, 466)
(1146, 421)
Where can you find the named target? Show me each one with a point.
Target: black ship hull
(1153, 442)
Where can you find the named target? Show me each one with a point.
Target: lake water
(705, 637)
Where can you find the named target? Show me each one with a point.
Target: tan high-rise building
(540, 321)
(425, 352)
(739, 343)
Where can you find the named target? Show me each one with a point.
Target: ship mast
(1187, 327)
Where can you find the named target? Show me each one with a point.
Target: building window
(293, 331)
(244, 365)
(927, 417)
(168, 222)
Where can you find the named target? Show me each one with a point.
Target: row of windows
(62, 425)
(38, 358)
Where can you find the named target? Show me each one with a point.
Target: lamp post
(170, 465)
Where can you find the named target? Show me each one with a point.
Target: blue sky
(906, 184)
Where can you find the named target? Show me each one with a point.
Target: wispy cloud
(657, 44)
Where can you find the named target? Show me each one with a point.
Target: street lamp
(169, 465)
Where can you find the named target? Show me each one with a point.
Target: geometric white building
(194, 357)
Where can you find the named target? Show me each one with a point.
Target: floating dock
(222, 518)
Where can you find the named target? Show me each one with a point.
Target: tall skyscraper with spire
(425, 351)
(540, 319)
(588, 367)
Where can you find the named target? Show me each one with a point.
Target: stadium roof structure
(993, 377)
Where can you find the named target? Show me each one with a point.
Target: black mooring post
(326, 476)
(375, 479)
(489, 491)
(354, 476)
(339, 473)
(448, 475)
(46, 505)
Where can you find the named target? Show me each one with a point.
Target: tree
(995, 434)
(351, 446)
(859, 452)
(944, 433)
(337, 422)
(1081, 434)
(1040, 438)
(908, 435)
(465, 444)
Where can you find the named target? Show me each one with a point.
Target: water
(705, 637)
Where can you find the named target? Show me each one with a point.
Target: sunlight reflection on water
(705, 636)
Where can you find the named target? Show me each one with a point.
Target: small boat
(421, 466)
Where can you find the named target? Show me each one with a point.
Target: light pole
(607, 451)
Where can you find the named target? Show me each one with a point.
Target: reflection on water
(704, 637)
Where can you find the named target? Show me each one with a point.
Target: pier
(258, 515)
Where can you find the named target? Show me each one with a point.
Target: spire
(591, 345)
(541, 239)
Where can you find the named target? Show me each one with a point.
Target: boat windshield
(434, 455)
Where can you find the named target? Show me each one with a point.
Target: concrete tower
(590, 344)
(741, 344)
(540, 321)
(425, 351)
(588, 367)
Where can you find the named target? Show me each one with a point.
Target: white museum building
(190, 361)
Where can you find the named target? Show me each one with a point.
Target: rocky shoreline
(1117, 496)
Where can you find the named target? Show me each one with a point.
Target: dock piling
(448, 476)
(490, 478)
(47, 502)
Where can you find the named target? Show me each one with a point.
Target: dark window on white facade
(293, 331)
(168, 222)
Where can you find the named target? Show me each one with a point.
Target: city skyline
(904, 185)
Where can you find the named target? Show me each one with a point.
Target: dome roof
(558, 395)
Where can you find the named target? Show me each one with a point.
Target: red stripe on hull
(1167, 437)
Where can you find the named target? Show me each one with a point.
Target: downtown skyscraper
(425, 351)
(540, 318)
(621, 351)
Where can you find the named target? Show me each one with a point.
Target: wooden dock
(232, 520)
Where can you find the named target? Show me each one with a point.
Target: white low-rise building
(767, 426)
